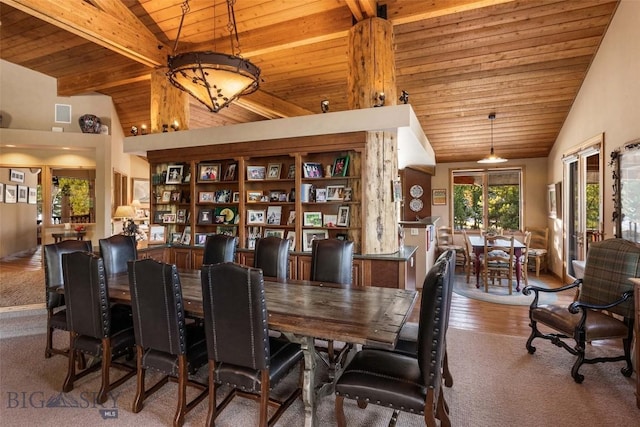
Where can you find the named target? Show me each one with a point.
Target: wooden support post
(169, 104)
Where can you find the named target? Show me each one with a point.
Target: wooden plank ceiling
(459, 60)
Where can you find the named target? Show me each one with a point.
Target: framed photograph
(10, 193)
(439, 196)
(329, 220)
(223, 196)
(226, 230)
(157, 234)
(273, 170)
(256, 173)
(254, 196)
(206, 197)
(16, 175)
(321, 195)
(268, 232)
(200, 238)
(230, 173)
(340, 166)
(291, 237)
(292, 218)
(235, 197)
(23, 194)
(335, 192)
(347, 194)
(1, 192)
(277, 196)
(274, 215)
(256, 216)
(308, 236)
(226, 215)
(175, 238)
(176, 196)
(554, 194)
(158, 216)
(169, 218)
(292, 172)
(396, 187)
(186, 236)
(208, 172)
(343, 216)
(181, 216)
(205, 216)
(174, 174)
(312, 170)
(312, 219)
(140, 190)
(166, 196)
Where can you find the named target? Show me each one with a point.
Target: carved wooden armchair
(603, 309)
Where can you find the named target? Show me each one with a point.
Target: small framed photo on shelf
(340, 166)
(200, 238)
(256, 216)
(206, 197)
(205, 216)
(321, 195)
(312, 170)
(268, 232)
(335, 192)
(169, 218)
(235, 198)
(255, 173)
(175, 238)
(292, 218)
(157, 234)
(312, 219)
(166, 196)
(277, 196)
(254, 196)
(158, 216)
(176, 196)
(230, 173)
(308, 236)
(273, 170)
(186, 236)
(174, 174)
(181, 216)
(226, 230)
(347, 194)
(291, 237)
(292, 172)
(274, 215)
(223, 196)
(208, 172)
(343, 216)
(329, 220)
(226, 215)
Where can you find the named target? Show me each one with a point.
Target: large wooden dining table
(477, 243)
(304, 311)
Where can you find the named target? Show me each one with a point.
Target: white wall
(609, 103)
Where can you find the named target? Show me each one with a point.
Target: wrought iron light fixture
(492, 158)
(215, 79)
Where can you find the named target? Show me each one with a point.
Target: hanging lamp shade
(492, 158)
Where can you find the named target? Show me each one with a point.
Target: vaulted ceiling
(459, 60)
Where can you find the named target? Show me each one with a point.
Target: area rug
(500, 294)
(21, 288)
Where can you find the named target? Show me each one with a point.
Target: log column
(168, 103)
(371, 72)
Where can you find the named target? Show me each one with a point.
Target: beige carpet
(496, 383)
(21, 288)
(500, 294)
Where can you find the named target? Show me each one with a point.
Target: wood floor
(465, 313)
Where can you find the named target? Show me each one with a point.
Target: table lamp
(127, 213)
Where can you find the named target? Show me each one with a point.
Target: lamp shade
(124, 212)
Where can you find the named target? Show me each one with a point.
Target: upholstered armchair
(603, 308)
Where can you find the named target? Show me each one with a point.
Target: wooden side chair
(164, 341)
(538, 247)
(241, 353)
(445, 241)
(603, 309)
(524, 258)
(498, 260)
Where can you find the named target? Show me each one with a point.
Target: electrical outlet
(415, 232)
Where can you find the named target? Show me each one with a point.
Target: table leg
(518, 254)
(309, 393)
(477, 265)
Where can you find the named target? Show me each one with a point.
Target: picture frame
(343, 216)
(16, 175)
(230, 173)
(292, 172)
(175, 238)
(1, 192)
(200, 239)
(312, 219)
(186, 236)
(23, 194)
(206, 197)
(312, 170)
(254, 196)
(229, 215)
(223, 196)
(169, 218)
(140, 191)
(268, 232)
(226, 230)
(256, 216)
(157, 234)
(277, 196)
(174, 174)
(273, 170)
(10, 193)
(158, 216)
(166, 196)
(176, 196)
(308, 236)
(396, 187)
(553, 199)
(329, 220)
(235, 198)
(208, 172)
(292, 218)
(335, 192)
(321, 195)
(291, 237)
(181, 216)
(205, 216)
(348, 194)
(256, 173)
(274, 215)
(439, 196)
(340, 166)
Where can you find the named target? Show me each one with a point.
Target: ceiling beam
(362, 9)
(270, 106)
(122, 33)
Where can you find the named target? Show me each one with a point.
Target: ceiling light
(492, 158)
(215, 79)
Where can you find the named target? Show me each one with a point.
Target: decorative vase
(89, 123)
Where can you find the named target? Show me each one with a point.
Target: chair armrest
(576, 306)
(528, 289)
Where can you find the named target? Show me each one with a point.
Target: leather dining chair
(56, 314)
(219, 248)
(95, 328)
(116, 251)
(271, 255)
(399, 381)
(164, 341)
(241, 353)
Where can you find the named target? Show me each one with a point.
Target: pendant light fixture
(492, 158)
(215, 79)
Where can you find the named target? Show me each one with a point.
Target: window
(485, 199)
(72, 197)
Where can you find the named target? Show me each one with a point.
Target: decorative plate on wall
(416, 205)
(416, 191)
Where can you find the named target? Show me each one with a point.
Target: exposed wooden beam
(413, 11)
(128, 37)
(362, 9)
(95, 81)
(271, 107)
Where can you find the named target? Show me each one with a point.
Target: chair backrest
(116, 251)
(53, 266)
(610, 264)
(332, 261)
(449, 257)
(235, 315)
(434, 307)
(271, 254)
(219, 248)
(539, 237)
(524, 258)
(156, 303)
(444, 236)
(86, 294)
(498, 249)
